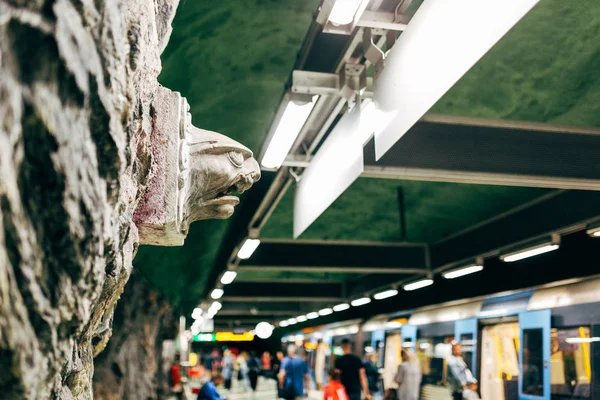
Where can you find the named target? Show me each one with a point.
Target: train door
(534, 355)
(465, 331)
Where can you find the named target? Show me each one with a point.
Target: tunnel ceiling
(232, 60)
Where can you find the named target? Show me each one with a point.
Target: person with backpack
(294, 378)
(334, 390)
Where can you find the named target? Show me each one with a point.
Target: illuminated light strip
(234, 337)
(386, 294)
(341, 307)
(360, 302)
(287, 131)
(228, 277)
(344, 12)
(326, 311)
(216, 293)
(283, 324)
(529, 252)
(301, 318)
(456, 273)
(443, 40)
(312, 315)
(418, 284)
(248, 248)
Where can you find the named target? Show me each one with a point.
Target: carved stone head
(195, 174)
(219, 168)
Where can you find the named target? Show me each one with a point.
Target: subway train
(542, 343)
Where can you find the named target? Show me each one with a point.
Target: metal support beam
(381, 20)
(283, 299)
(326, 84)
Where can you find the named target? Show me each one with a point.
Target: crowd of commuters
(350, 378)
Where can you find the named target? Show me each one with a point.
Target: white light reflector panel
(441, 43)
(337, 164)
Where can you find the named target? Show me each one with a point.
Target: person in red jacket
(334, 389)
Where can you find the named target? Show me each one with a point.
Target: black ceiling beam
(283, 289)
(468, 150)
(358, 287)
(335, 257)
(267, 297)
(557, 212)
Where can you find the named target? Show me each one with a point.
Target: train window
(468, 344)
(533, 361)
(431, 353)
(570, 363)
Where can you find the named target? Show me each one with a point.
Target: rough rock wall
(130, 366)
(77, 80)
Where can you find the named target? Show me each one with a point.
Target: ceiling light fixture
(344, 12)
(290, 124)
(248, 248)
(292, 321)
(301, 318)
(577, 340)
(228, 277)
(594, 230)
(217, 293)
(216, 305)
(325, 311)
(418, 284)
(462, 271)
(312, 315)
(360, 302)
(385, 294)
(197, 313)
(532, 251)
(341, 307)
(283, 324)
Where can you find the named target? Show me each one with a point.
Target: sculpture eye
(236, 158)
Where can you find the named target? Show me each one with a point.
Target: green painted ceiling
(231, 60)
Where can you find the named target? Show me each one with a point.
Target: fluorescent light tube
(292, 321)
(594, 232)
(197, 313)
(312, 315)
(360, 302)
(301, 318)
(456, 273)
(418, 284)
(344, 11)
(228, 277)
(248, 248)
(325, 311)
(216, 305)
(216, 293)
(341, 307)
(287, 131)
(529, 252)
(385, 294)
(283, 324)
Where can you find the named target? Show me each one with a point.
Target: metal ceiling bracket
(373, 53)
(354, 77)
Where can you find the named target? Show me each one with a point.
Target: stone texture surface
(131, 365)
(77, 82)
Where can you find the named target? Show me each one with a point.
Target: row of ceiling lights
(521, 254)
(250, 245)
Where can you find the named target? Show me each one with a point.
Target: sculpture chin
(221, 207)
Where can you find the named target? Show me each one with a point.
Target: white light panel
(456, 273)
(443, 40)
(228, 277)
(248, 248)
(418, 284)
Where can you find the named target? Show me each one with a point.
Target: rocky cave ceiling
(232, 59)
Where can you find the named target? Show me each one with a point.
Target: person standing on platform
(460, 377)
(408, 376)
(294, 378)
(372, 373)
(276, 365)
(353, 375)
(253, 370)
(227, 368)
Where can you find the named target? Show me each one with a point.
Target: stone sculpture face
(195, 174)
(219, 167)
